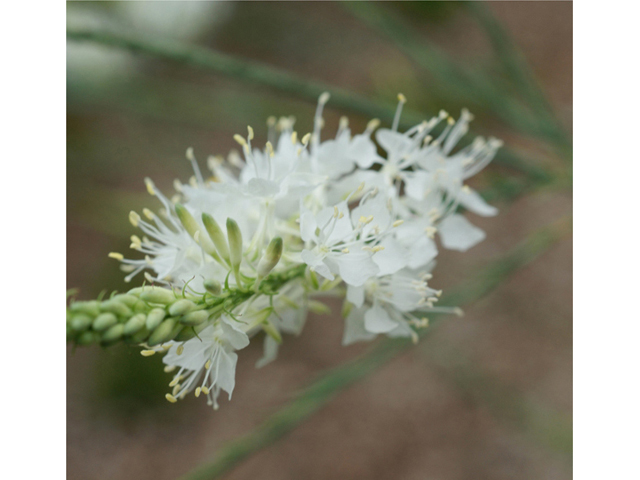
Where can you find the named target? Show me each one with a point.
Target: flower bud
(90, 308)
(181, 307)
(87, 338)
(160, 295)
(212, 286)
(235, 247)
(80, 322)
(270, 258)
(104, 321)
(272, 331)
(112, 335)
(193, 229)
(163, 333)
(129, 300)
(116, 307)
(195, 318)
(138, 337)
(134, 324)
(154, 318)
(216, 235)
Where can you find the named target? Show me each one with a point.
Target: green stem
(331, 384)
(264, 75)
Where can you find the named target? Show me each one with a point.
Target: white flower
(207, 363)
(387, 304)
(337, 246)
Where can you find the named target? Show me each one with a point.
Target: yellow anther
(197, 393)
(344, 122)
(149, 184)
(207, 365)
(240, 140)
(205, 390)
(427, 139)
(174, 382)
(177, 185)
(271, 121)
(443, 114)
(189, 154)
(250, 132)
(134, 218)
(324, 98)
(171, 398)
(147, 353)
(116, 255)
(377, 248)
(402, 98)
(148, 213)
(341, 215)
(180, 349)
(466, 189)
(397, 223)
(294, 137)
(176, 389)
(345, 250)
(373, 124)
(270, 151)
(365, 220)
(430, 231)
(336, 212)
(450, 121)
(169, 368)
(306, 138)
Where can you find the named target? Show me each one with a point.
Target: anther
(134, 218)
(170, 398)
(150, 186)
(148, 213)
(397, 223)
(180, 349)
(402, 98)
(250, 132)
(241, 141)
(116, 255)
(324, 98)
(147, 353)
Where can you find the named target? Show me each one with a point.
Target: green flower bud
(112, 335)
(213, 286)
(181, 307)
(270, 258)
(319, 307)
(235, 247)
(134, 324)
(116, 307)
(160, 295)
(272, 331)
(216, 235)
(163, 333)
(90, 308)
(154, 318)
(195, 318)
(129, 300)
(187, 333)
(104, 321)
(192, 227)
(81, 322)
(139, 336)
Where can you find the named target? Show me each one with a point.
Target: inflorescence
(250, 247)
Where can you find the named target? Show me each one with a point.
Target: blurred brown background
(487, 396)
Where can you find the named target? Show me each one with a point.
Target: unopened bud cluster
(256, 244)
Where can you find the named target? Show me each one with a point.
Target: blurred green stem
(264, 75)
(472, 86)
(323, 390)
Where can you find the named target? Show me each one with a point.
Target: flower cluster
(250, 246)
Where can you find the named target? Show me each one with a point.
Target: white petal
(354, 330)
(423, 250)
(354, 268)
(472, 201)
(225, 371)
(393, 258)
(355, 295)
(457, 233)
(377, 320)
(233, 333)
(270, 352)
